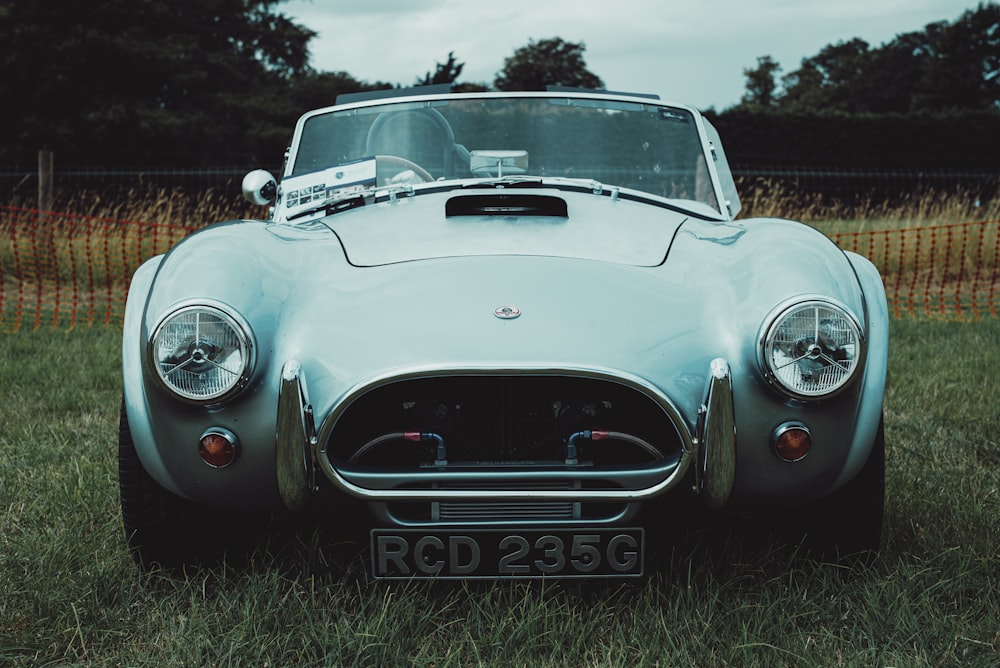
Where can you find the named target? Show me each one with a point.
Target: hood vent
(506, 205)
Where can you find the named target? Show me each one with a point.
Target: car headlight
(812, 349)
(202, 353)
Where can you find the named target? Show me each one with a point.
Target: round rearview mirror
(259, 187)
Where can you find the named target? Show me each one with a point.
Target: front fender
(134, 390)
(747, 271)
(214, 264)
(876, 366)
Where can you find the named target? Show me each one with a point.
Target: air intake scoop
(514, 204)
(503, 222)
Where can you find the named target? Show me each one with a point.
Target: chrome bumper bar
(716, 471)
(298, 455)
(295, 439)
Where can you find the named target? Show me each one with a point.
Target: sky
(691, 51)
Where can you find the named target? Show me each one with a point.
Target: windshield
(643, 146)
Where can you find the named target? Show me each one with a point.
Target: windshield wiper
(341, 202)
(557, 182)
(595, 187)
(333, 204)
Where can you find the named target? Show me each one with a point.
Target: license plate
(489, 553)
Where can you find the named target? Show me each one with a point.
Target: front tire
(846, 525)
(165, 530)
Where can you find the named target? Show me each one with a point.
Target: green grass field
(71, 595)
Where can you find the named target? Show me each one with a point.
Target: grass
(71, 595)
(939, 252)
(73, 265)
(96, 240)
(831, 215)
(93, 240)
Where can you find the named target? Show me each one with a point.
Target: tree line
(946, 67)
(210, 82)
(187, 82)
(925, 100)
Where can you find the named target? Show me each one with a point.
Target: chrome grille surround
(524, 482)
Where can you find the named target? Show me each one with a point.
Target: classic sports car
(503, 324)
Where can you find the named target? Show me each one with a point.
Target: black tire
(168, 531)
(846, 525)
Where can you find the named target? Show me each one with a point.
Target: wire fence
(843, 183)
(63, 270)
(938, 271)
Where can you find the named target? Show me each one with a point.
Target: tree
(108, 79)
(961, 68)
(828, 79)
(946, 66)
(761, 85)
(548, 61)
(444, 73)
(314, 90)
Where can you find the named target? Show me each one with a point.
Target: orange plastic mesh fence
(940, 271)
(61, 270)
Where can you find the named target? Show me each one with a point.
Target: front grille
(472, 511)
(436, 512)
(500, 421)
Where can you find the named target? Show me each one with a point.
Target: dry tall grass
(760, 199)
(158, 206)
(71, 266)
(938, 252)
(917, 209)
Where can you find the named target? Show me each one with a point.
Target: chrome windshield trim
(434, 100)
(394, 193)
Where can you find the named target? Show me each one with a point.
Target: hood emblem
(506, 312)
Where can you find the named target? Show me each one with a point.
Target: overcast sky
(691, 51)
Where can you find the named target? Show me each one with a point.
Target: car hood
(533, 222)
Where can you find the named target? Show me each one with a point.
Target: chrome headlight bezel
(804, 331)
(225, 346)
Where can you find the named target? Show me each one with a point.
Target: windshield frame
(719, 177)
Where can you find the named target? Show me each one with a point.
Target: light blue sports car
(516, 329)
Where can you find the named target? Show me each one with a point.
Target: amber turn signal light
(792, 441)
(218, 447)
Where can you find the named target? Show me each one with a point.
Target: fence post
(45, 180)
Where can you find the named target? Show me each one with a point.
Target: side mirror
(259, 187)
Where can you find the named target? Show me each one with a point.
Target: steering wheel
(436, 135)
(397, 165)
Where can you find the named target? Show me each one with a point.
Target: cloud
(687, 51)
